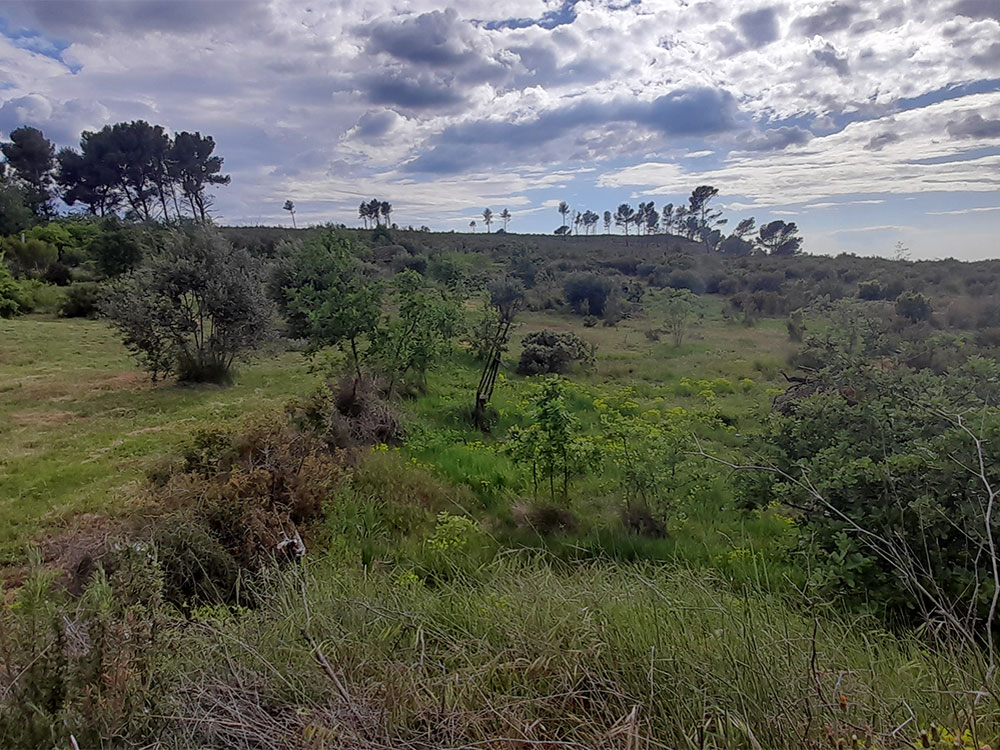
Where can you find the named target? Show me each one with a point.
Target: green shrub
(913, 306)
(12, 295)
(551, 352)
(587, 293)
(83, 300)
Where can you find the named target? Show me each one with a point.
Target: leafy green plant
(552, 446)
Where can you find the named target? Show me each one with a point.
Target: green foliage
(551, 447)
(12, 294)
(197, 306)
(650, 452)
(83, 300)
(884, 467)
(678, 310)
(552, 352)
(587, 294)
(90, 667)
(419, 333)
(28, 258)
(913, 306)
(15, 215)
(329, 298)
(116, 248)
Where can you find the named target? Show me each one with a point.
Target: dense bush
(83, 300)
(117, 248)
(12, 294)
(587, 293)
(195, 308)
(913, 306)
(883, 466)
(551, 352)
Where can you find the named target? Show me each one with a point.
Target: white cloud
(304, 104)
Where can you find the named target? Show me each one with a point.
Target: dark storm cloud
(829, 56)
(419, 92)
(974, 126)
(777, 139)
(71, 18)
(978, 9)
(685, 112)
(835, 18)
(880, 141)
(759, 27)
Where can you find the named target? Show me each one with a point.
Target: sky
(869, 123)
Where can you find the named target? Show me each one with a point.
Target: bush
(913, 306)
(587, 293)
(239, 504)
(686, 280)
(551, 352)
(350, 413)
(876, 461)
(83, 300)
(197, 307)
(30, 258)
(12, 294)
(117, 248)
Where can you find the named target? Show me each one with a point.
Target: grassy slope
(522, 645)
(79, 425)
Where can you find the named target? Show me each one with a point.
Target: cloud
(974, 126)
(72, 19)
(776, 139)
(684, 112)
(759, 27)
(829, 56)
(963, 211)
(880, 141)
(977, 9)
(419, 92)
(376, 124)
(835, 17)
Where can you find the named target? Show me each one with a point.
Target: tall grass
(528, 653)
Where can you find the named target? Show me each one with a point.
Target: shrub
(117, 248)
(551, 352)
(686, 280)
(30, 258)
(196, 307)
(239, 504)
(587, 293)
(57, 274)
(913, 306)
(12, 295)
(878, 461)
(350, 413)
(83, 300)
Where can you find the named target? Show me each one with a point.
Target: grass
(80, 425)
(590, 655)
(446, 622)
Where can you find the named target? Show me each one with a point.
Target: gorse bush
(551, 352)
(197, 306)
